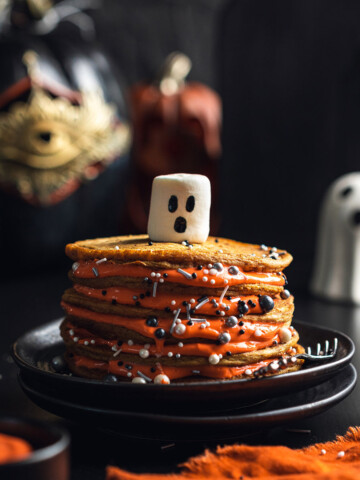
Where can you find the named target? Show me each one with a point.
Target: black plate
(153, 426)
(34, 350)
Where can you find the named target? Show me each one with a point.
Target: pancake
(155, 311)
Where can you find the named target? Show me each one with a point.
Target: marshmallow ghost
(337, 266)
(180, 208)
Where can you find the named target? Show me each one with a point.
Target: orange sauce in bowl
(13, 449)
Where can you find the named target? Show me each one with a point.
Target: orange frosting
(161, 300)
(85, 269)
(13, 449)
(217, 372)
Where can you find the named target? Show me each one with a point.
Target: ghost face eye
(190, 203)
(345, 192)
(173, 204)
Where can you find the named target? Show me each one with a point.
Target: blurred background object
(337, 263)
(64, 133)
(176, 129)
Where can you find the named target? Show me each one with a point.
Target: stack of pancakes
(161, 312)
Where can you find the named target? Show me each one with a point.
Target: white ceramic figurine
(337, 264)
(180, 208)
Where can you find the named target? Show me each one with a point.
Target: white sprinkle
(71, 332)
(178, 321)
(222, 313)
(154, 289)
(226, 281)
(170, 354)
(214, 359)
(221, 298)
(162, 379)
(177, 313)
(144, 353)
(142, 375)
(101, 261)
(158, 275)
(220, 356)
(220, 251)
(200, 304)
(177, 355)
(293, 359)
(274, 249)
(186, 274)
(248, 371)
(196, 372)
(129, 374)
(205, 271)
(117, 353)
(212, 281)
(174, 312)
(161, 280)
(285, 335)
(147, 346)
(114, 348)
(75, 266)
(138, 380)
(323, 452)
(86, 343)
(340, 454)
(263, 247)
(180, 329)
(203, 325)
(130, 342)
(95, 270)
(180, 344)
(258, 332)
(205, 279)
(264, 255)
(210, 265)
(222, 305)
(135, 297)
(92, 342)
(274, 366)
(207, 323)
(183, 243)
(152, 274)
(192, 300)
(76, 339)
(117, 247)
(213, 271)
(173, 302)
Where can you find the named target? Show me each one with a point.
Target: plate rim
(23, 364)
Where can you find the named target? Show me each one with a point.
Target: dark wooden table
(33, 300)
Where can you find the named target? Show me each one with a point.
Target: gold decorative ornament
(48, 145)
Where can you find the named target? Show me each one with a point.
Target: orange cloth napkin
(338, 460)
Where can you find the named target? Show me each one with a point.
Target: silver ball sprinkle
(233, 270)
(224, 337)
(231, 321)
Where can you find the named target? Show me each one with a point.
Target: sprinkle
(174, 312)
(205, 279)
(323, 452)
(202, 302)
(223, 294)
(180, 344)
(202, 326)
(117, 247)
(274, 366)
(75, 266)
(76, 339)
(188, 312)
(196, 372)
(212, 281)
(186, 274)
(154, 289)
(153, 274)
(114, 348)
(161, 280)
(233, 270)
(222, 313)
(220, 251)
(162, 379)
(248, 371)
(340, 454)
(219, 266)
(117, 353)
(180, 329)
(177, 355)
(135, 297)
(170, 354)
(178, 321)
(86, 342)
(129, 374)
(274, 256)
(273, 249)
(184, 243)
(138, 380)
(101, 261)
(173, 302)
(92, 342)
(192, 300)
(210, 265)
(206, 271)
(214, 359)
(71, 332)
(194, 276)
(144, 353)
(226, 281)
(263, 247)
(263, 255)
(130, 342)
(167, 446)
(177, 313)
(95, 270)
(158, 275)
(213, 271)
(258, 333)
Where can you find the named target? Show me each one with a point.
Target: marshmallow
(180, 208)
(336, 274)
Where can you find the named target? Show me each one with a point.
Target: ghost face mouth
(180, 225)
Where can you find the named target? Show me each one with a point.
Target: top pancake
(133, 248)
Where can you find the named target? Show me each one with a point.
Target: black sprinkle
(251, 304)
(266, 303)
(150, 242)
(242, 307)
(152, 369)
(148, 293)
(120, 363)
(199, 267)
(104, 292)
(228, 297)
(113, 301)
(137, 304)
(216, 240)
(142, 295)
(217, 312)
(213, 301)
(160, 333)
(228, 354)
(194, 275)
(242, 331)
(152, 322)
(119, 343)
(275, 342)
(165, 275)
(192, 311)
(241, 323)
(167, 309)
(128, 367)
(149, 281)
(202, 298)
(185, 303)
(190, 323)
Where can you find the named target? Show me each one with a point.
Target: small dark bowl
(50, 458)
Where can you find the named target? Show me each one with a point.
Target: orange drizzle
(13, 449)
(249, 341)
(129, 296)
(221, 279)
(217, 372)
